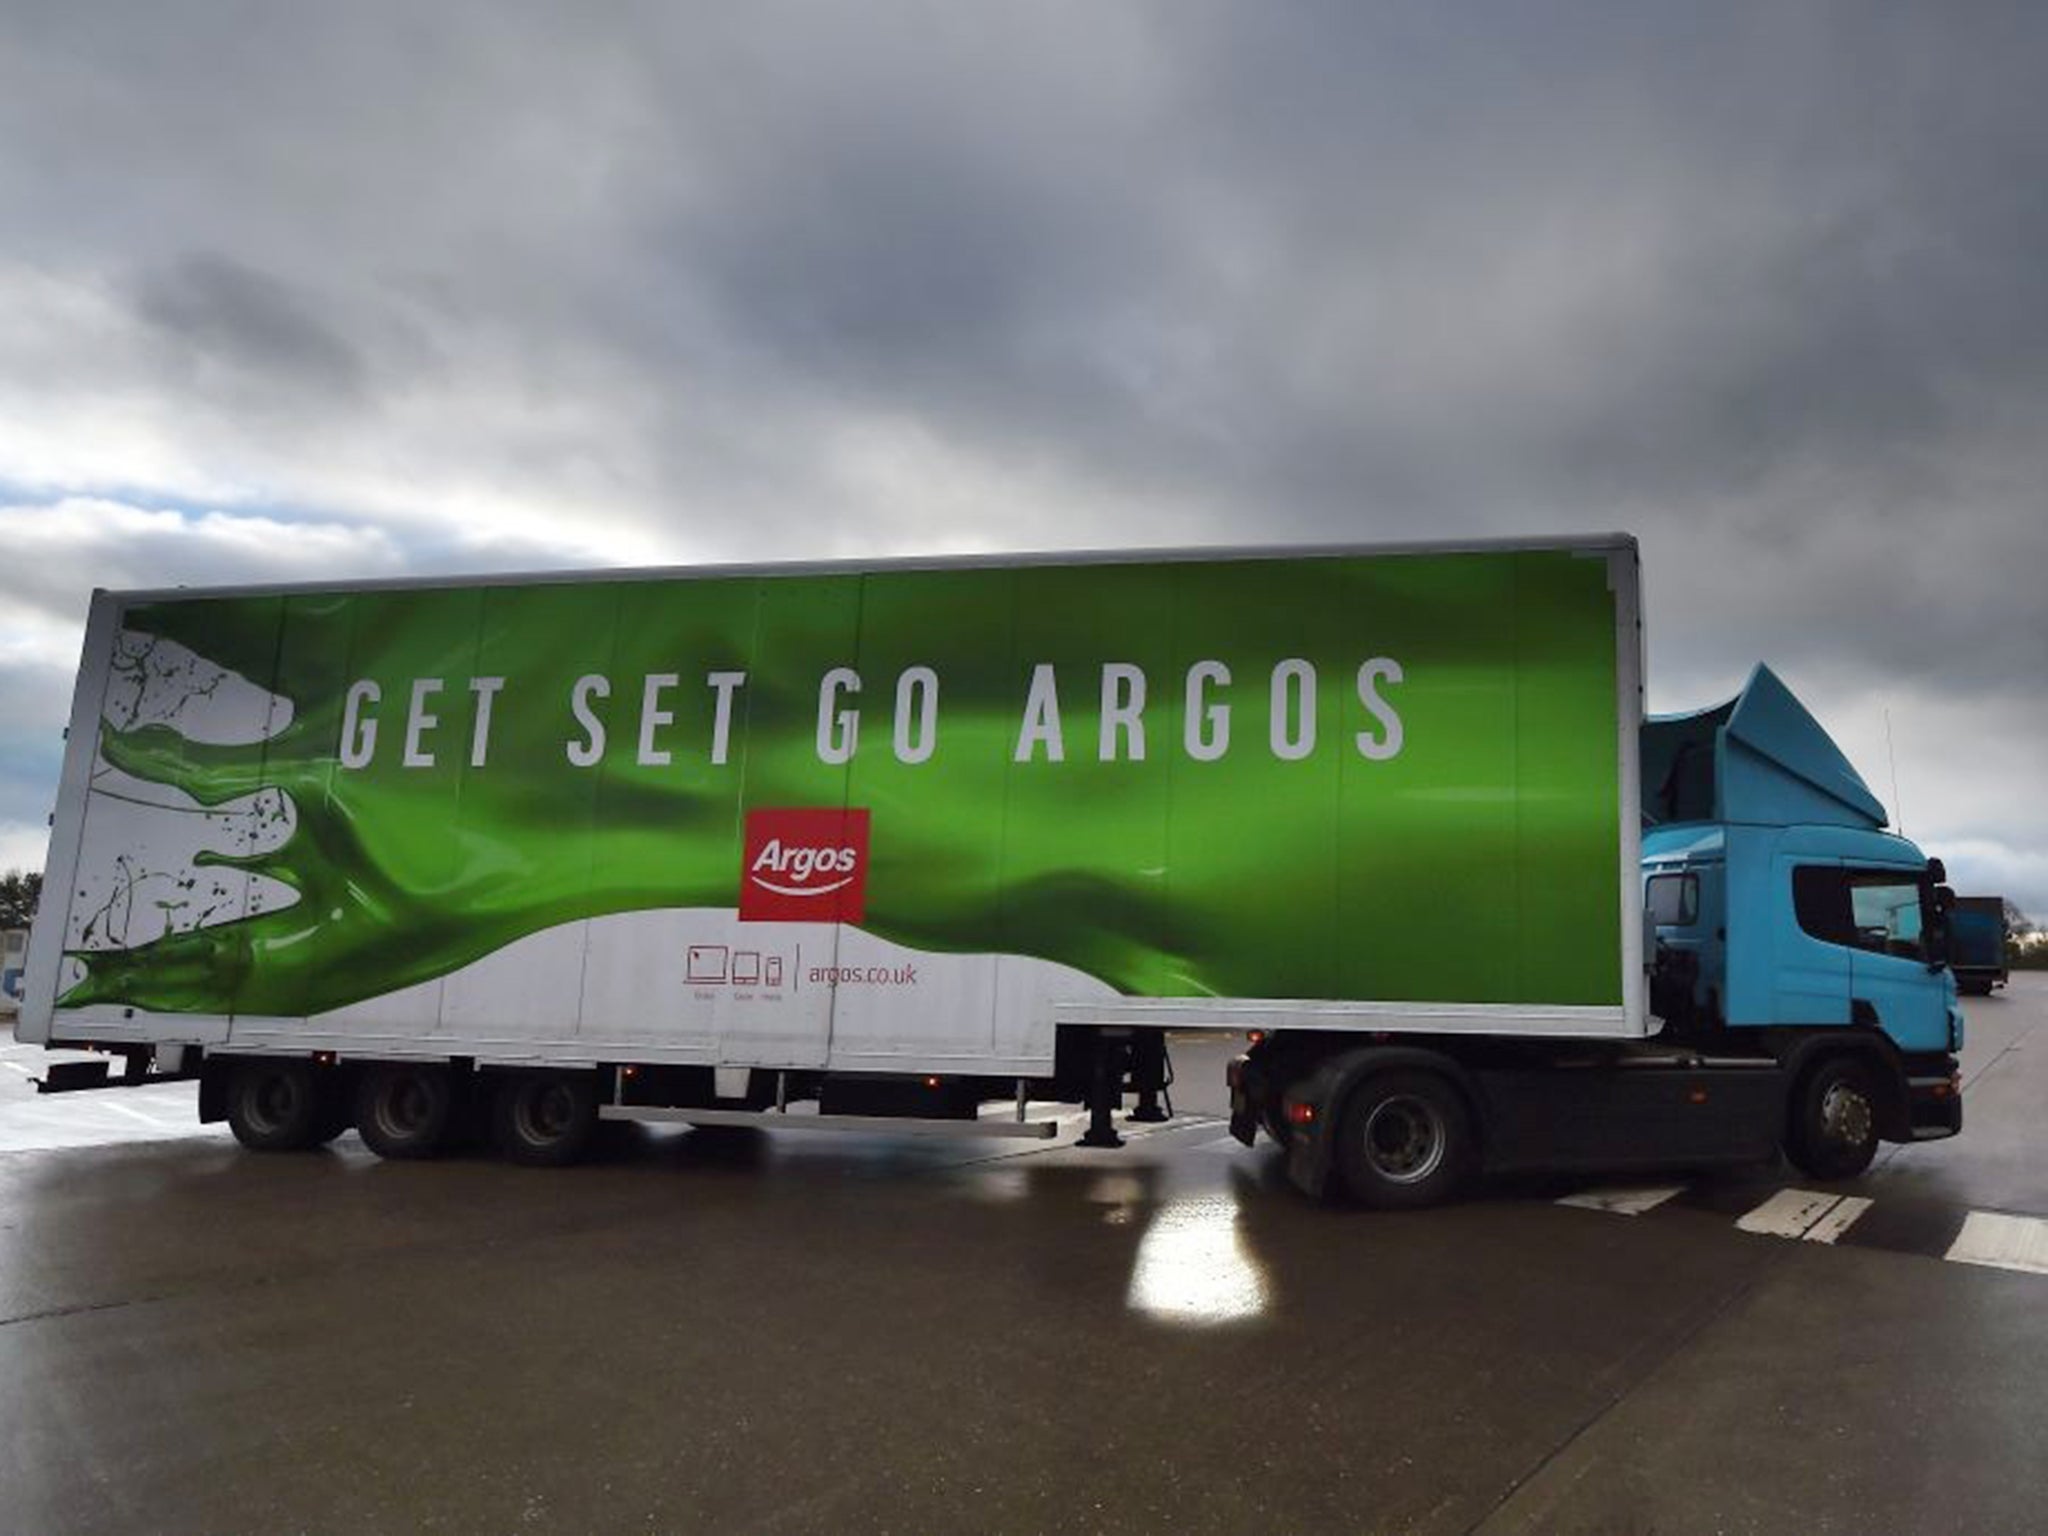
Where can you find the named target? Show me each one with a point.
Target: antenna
(1898, 805)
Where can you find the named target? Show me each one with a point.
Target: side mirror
(1937, 924)
(1937, 872)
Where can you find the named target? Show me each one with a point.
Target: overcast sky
(355, 290)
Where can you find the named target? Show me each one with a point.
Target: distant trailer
(1978, 946)
(13, 961)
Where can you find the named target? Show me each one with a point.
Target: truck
(1978, 938)
(13, 959)
(918, 845)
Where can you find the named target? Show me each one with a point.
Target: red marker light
(931, 1082)
(1299, 1113)
(1255, 1036)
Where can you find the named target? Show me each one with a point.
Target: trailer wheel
(275, 1106)
(1405, 1141)
(545, 1119)
(405, 1111)
(1833, 1130)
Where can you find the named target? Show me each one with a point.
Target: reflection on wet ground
(1194, 1266)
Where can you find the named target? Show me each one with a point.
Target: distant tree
(2023, 940)
(19, 891)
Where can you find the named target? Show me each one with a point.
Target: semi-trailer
(1978, 935)
(914, 845)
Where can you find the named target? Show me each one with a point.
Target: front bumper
(1934, 1104)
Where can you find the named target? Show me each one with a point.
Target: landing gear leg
(1148, 1070)
(1105, 1092)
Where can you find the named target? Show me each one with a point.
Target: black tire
(1833, 1127)
(1275, 1125)
(276, 1106)
(1405, 1141)
(544, 1119)
(406, 1110)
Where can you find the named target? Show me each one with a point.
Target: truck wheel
(544, 1119)
(1833, 1130)
(275, 1106)
(1405, 1141)
(405, 1111)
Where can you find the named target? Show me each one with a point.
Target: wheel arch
(1805, 1054)
(1330, 1085)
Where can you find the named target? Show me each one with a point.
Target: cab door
(1810, 980)
(1889, 972)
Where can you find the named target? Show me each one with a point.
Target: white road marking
(1789, 1213)
(1625, 1201)
(2003, 1242)
(1839, 1220)
(131, 1112)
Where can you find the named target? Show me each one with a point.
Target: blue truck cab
(1789, 923)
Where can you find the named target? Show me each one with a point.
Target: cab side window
(1870, 909)
(1673, 901)
(1820, 900)
(1886, 911)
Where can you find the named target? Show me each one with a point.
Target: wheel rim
(405, 1109)
(547, 1113)
(274, 1101)
(1846, 1117)
(1404, 1139)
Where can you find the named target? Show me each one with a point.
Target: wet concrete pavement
(811, 1333)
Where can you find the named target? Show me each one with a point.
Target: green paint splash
(1249, 876)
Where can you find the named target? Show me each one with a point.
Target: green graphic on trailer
(1388, 777)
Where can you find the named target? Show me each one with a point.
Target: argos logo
(804, 866)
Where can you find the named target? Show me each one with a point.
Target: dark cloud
(218, 313)
(1763, 284)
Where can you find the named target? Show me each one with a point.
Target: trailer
(909, 843)
(1979, 944)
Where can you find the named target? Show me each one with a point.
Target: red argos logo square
(805, 866)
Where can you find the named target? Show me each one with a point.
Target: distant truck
(915, 845)
(1978, 944)
(13, 961)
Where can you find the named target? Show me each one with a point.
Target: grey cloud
(218, 311)
(1767, 285)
